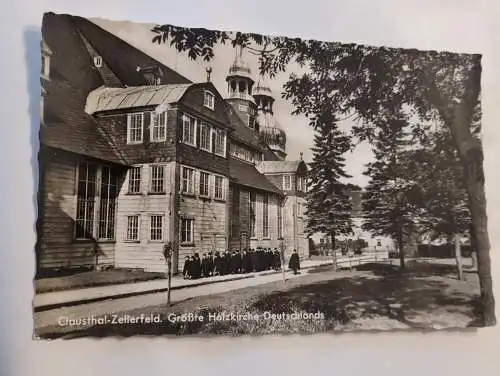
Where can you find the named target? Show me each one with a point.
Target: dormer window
(209, 100)
(98, 61)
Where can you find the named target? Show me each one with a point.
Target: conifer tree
(391, 199)
(328, 204)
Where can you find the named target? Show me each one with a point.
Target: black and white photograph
(227, 183)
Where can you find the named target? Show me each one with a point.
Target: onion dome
(240, 68)
(271, 132)
(239, 79)
(263, 96)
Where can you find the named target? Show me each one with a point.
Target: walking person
(294, 263)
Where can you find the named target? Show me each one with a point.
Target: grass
(93, 278)
(374, 298)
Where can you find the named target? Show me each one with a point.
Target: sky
(299, 134)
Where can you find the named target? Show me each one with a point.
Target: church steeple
(270, 131)
(240, 84)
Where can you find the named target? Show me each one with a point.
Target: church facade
(133, 155)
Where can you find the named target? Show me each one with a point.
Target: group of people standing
(231, 262)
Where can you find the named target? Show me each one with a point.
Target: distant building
(133, 154)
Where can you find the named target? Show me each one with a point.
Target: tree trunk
(169, 271)
(402, 263)
(458, 118)
(334, 253)
(458, 257)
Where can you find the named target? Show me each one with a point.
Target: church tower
(270, 131)
(240, 85)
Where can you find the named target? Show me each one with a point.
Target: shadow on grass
(415, 299)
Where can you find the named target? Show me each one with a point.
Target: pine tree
(390, 200)
(328, 204)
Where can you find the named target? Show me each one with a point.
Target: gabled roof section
(109, 99)
(277, 167)
(123, 58)
(241, 132)
(68, 127)
(246, 174)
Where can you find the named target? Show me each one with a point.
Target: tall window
(159, 127)
(187, 180)
(135, 128)
(287, 182)
(156, 230)
(209, 100)
(189, 130)
(187, 231)
(280, 220)
(109, 182)
(132, 228)
(87, 174)
(220, 142)
(204, 184)
(134, 180)
(253, 205)
(265, 216)
(205, 139)
(235, 220)
(219, 187)
(299, 184)
(157, 179)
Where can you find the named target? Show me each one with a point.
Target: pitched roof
(246, 174)
(241, 132)
(123, 58)
(275, 167)
(71, 79)
(107, 99)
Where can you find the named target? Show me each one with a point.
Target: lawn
(374, 298)
(93, 278)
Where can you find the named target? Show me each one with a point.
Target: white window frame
(185, 117)
(128, 228)
(191, 231)
(209, 99)
(46, 67)
(288, 186)
(224, 140)
(130, 179)
(192, 182)
(208, 185)
(222, 186)
(158, 123)
(152, 168)
(129, 129)
(98, 61)
(157, 227)
(205, 125)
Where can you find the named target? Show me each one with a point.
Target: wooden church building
(133, 154)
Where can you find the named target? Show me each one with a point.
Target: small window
(189, 130)
(187, 231)
(219, 188)
(205, 137)
(187, 180)
(98, 61)
(134, 180)
(243, 108)
(204, 184)
(209, 100)
(135, 127)
(287, 182)
(156, 231)
(379, 243)
(132, 228)
(159, 127)
(157, 179)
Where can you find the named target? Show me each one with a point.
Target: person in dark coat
(234, 263)
(205, 266)
(245, 262)
(294, 263)
(186, 271)
(217, 270)
(210, 263)
(277, 259)
(253, 260)
(196, 267)
(226, 260)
